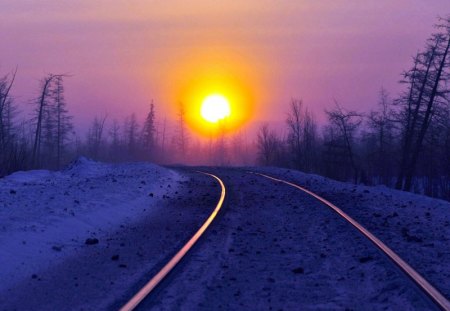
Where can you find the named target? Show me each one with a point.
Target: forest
(403, 142)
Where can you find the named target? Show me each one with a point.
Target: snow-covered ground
(45, 216)
(277, 248)
(87, 236)
(90, 236)
(415, 226)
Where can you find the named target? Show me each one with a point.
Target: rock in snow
(91, 241)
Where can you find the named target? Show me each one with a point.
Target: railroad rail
(155, 280)
(435, 296)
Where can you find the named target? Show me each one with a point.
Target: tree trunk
(37, 135)
(426, 122)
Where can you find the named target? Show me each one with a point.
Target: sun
(214, 108)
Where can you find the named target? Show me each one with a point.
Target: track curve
(419, 280)
(147, 289)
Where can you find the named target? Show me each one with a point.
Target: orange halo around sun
(222, 81)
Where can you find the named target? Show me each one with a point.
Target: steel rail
(154, 281)
(423, 284)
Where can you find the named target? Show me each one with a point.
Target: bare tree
(163, 137)
(381, 128)
(64, 124)
(41, 112)
(268, 145)
(131, 129)
(310, 141)
(239, 149)
(5, 107)
(12, 155)
(427, 90)
(294, 122)
(302, 136)
(182, 138)
(95, 136)
(345, 124)
(115, 146)
(149, 134)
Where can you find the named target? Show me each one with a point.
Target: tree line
(47, 139)
(403, 143)
(41, 140)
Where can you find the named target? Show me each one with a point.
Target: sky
(121, 55)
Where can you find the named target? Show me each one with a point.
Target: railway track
(154, 281)
(436, 297)
(422, 284)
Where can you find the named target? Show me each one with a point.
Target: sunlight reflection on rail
(145, 291)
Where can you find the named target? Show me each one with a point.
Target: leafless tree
(116, 152)
(12, 148)
(63, 126)
(95, 137)
(345, 125)
(239, 149)
(268, 145)
(381, 139)
(131, 137)
(181, 138)
(427, 90)
(310, 141)
(42, 117)
(149, 134)
(163, 137)
(6, 84)
(302, 136)
(294, 121)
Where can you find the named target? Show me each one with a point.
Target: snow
(417, 227)
(277, 248)
(271, 246)
(46, 216)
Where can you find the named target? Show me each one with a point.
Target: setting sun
(215, 108)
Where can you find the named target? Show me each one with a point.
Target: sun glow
(218, 76)
(214, 108)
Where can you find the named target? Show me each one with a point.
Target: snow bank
(45, 216)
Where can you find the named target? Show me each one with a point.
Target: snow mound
(85, 167)
(30, 176)
(79, 162)
(46, 215)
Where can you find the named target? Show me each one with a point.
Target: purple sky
(122, 54)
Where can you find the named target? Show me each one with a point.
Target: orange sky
(122, 54)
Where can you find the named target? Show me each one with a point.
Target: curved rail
(423, 284)
(134, 302)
